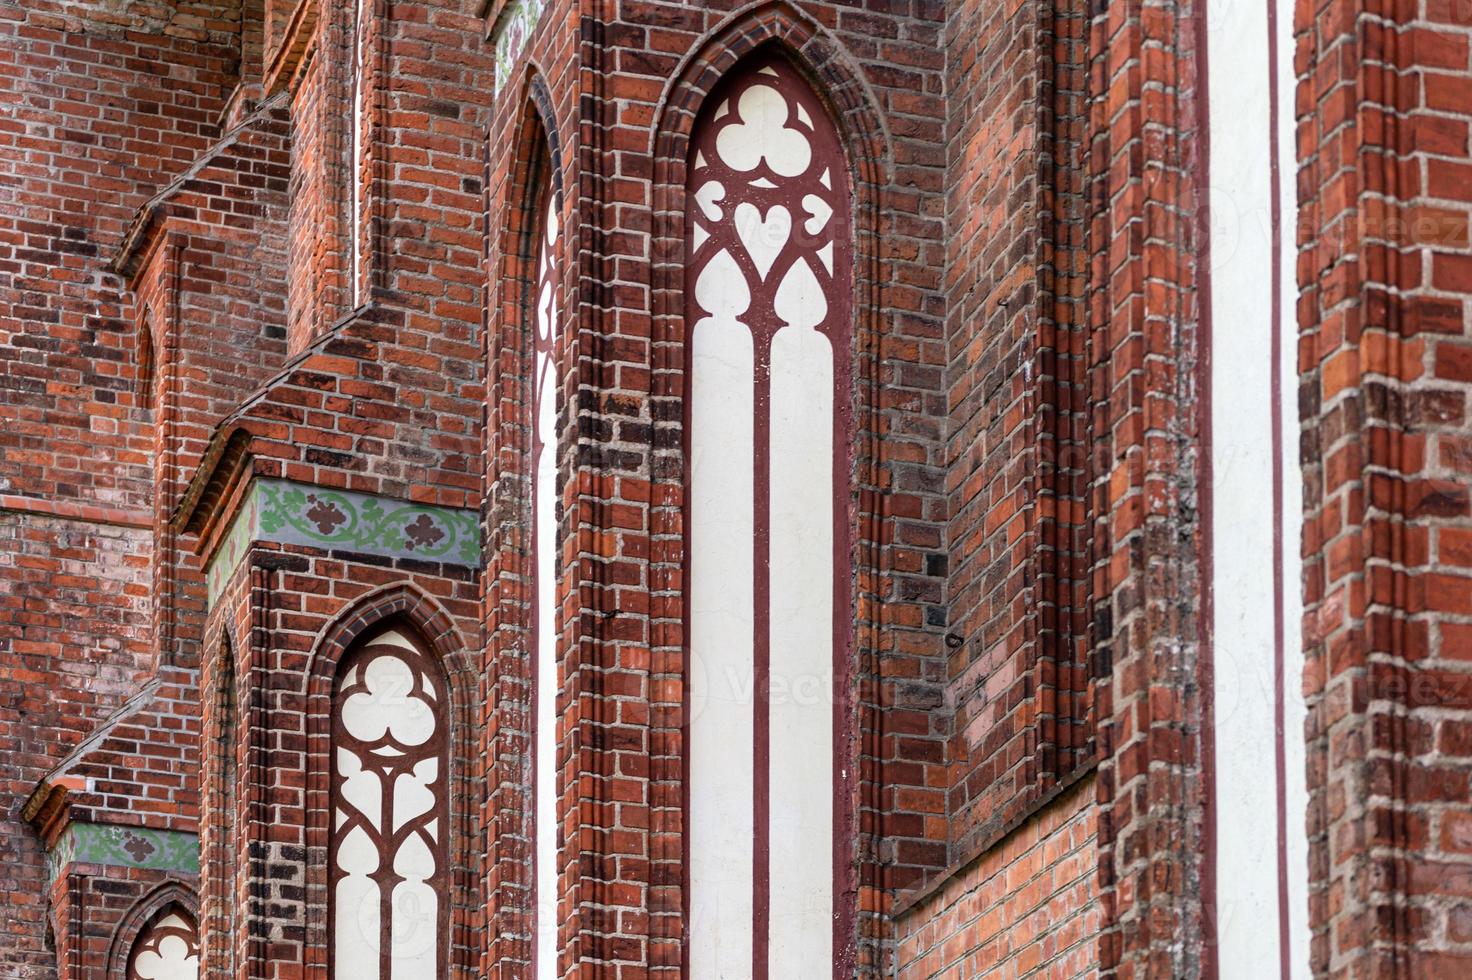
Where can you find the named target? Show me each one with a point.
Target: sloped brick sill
(907, 901)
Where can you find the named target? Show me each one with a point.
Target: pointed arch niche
(221, 838)
(768, 414)
(528, 485)
(388, 864)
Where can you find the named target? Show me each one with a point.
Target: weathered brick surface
(319, 290)
(1144, 355)
(74, 629)
(215, 22)
(1073, 448)
(106, 104)
(1016, 465)
(206, 260)
(102, 123)
(138, 767)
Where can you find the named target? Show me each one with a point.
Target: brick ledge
(907, 901)
(75, 511)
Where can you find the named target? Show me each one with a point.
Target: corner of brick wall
(1385, 351)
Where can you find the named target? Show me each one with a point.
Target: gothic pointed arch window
(167, 948)
(388, 868)
(768, 321)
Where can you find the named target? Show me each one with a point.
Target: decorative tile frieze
(513, 29)
(232, 549)
(284, 512)
(126, 847)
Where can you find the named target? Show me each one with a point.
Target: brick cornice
(222, 470)
(149, 220)
(49, 807)
(289, 52)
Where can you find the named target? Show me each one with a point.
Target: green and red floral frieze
(124, 847)
(282, 512)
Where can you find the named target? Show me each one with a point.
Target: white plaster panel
(721, 632)
(356, 910)
(1245, 632)
(764, 133)
(386, 707)
(764, 235)
(801, 643)
(413, 792)
(173, 959)
(415, 926)
(361, 788)
(1295, 711)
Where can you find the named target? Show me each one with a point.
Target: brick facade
(106, 106)
(266, 293)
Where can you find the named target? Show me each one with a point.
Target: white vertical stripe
(801, 631)
(1244, 633)
(546, 718)
(721, 463)
(355, 243)
(545, 475)
(1295, 713)
(415, 926)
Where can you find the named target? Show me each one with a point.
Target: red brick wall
(74, 630)
(1144, 352)
(143, 771)
(102, 113)
(207, 264)
(1029, 906)
(97, 145)
(318, 283)
(422, 167)
(1386, 353)
(1028, 576)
